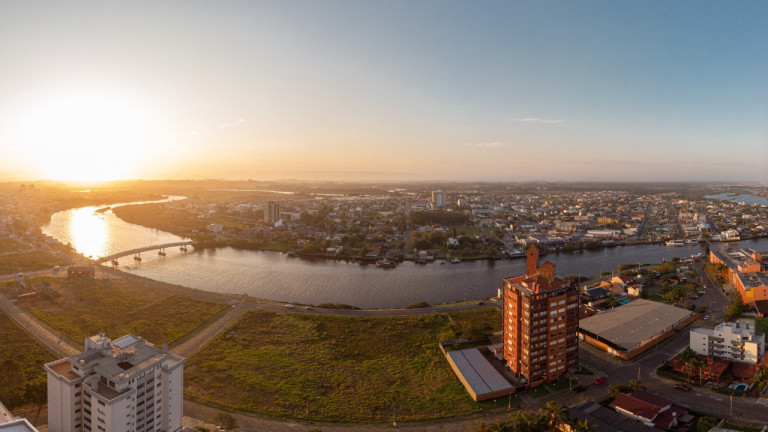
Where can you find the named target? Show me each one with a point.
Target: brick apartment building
(541, 322)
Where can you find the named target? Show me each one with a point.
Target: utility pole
(638, 372)
(731, 405)
(509, 405)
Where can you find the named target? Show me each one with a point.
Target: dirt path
(193, 344)
(43, 334)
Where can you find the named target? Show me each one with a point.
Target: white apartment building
(729, 340)
(125, 385)
(9, 423)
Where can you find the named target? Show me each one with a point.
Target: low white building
(9, 423)
(729, 340)
(125, 385)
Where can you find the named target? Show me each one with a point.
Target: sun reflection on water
(89, 233)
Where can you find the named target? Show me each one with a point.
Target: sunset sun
(87, 136)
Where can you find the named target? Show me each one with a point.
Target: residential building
(744, 272)
(125, 385)
(439, 199)
(541, 320)
(9, 423)
(652, 410)
(271, 212)
(729, 340)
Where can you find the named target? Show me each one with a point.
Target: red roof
(744, 371)
(664, 420)
(640, 404)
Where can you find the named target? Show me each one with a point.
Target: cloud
(537, 120)
(493, 144)
(231, 124)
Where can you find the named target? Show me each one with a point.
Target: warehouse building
(628, 330)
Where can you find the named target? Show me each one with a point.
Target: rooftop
(631, 324)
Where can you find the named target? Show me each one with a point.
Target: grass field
(337, 368)
(10, 245)
(118, 307)
(21, 362)
(29, 261)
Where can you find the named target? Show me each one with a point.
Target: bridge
(144, 249)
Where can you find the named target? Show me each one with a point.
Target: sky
(385, 90)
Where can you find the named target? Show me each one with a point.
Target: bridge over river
(144, 249)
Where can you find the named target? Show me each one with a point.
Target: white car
(289, 306)
(706, 317)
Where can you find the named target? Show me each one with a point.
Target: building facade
(271, 212)
(125, 385)
(439, 199)
(541, 322)
(729, 340)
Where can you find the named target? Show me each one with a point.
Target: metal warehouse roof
(476, 372)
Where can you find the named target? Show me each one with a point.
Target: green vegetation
(21, 361)
(438, 217)
(418, 305)
(30, 261)
(736, 307)
(10, 245)
(551, 417)
(86, 307)
(337, 368)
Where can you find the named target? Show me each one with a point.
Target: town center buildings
(540, 323)
(125, 385)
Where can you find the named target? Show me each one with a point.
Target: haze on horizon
(385, 90)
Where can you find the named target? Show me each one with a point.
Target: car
(701, 293)
(308, 307)
(682, 387)
(480, 303)
(706, 317)
(289, 306)
(601, 380)
(578, 389)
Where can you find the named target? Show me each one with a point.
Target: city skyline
(337, 90)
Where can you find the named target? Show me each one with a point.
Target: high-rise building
(271, 212)
(541, 321)
(439, 199)
(125, 385)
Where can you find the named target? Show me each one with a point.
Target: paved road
(618, 371)
(39, 331)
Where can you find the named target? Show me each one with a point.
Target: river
(276, 276)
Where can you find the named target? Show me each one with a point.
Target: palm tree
(582, 425)
(761, 380)
(636, 385)
(553, 414)
(617, 389)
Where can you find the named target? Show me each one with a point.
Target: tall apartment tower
(271, 212)
(125, 385)
(439, 199)
(541, 320)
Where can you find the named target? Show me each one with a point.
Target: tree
(553, 414)
(582, 425)
(617, 389)
(636, 385)
(761, 379)
(706, 423)
(225, 420)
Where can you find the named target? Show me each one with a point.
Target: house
(605, 419)
(650, 409)
(761, 306)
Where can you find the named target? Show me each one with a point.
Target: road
(618, 371)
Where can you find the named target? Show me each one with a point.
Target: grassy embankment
(81, 308)
(21, 364)
(10, 245)
(30, 261)
(347, 369)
